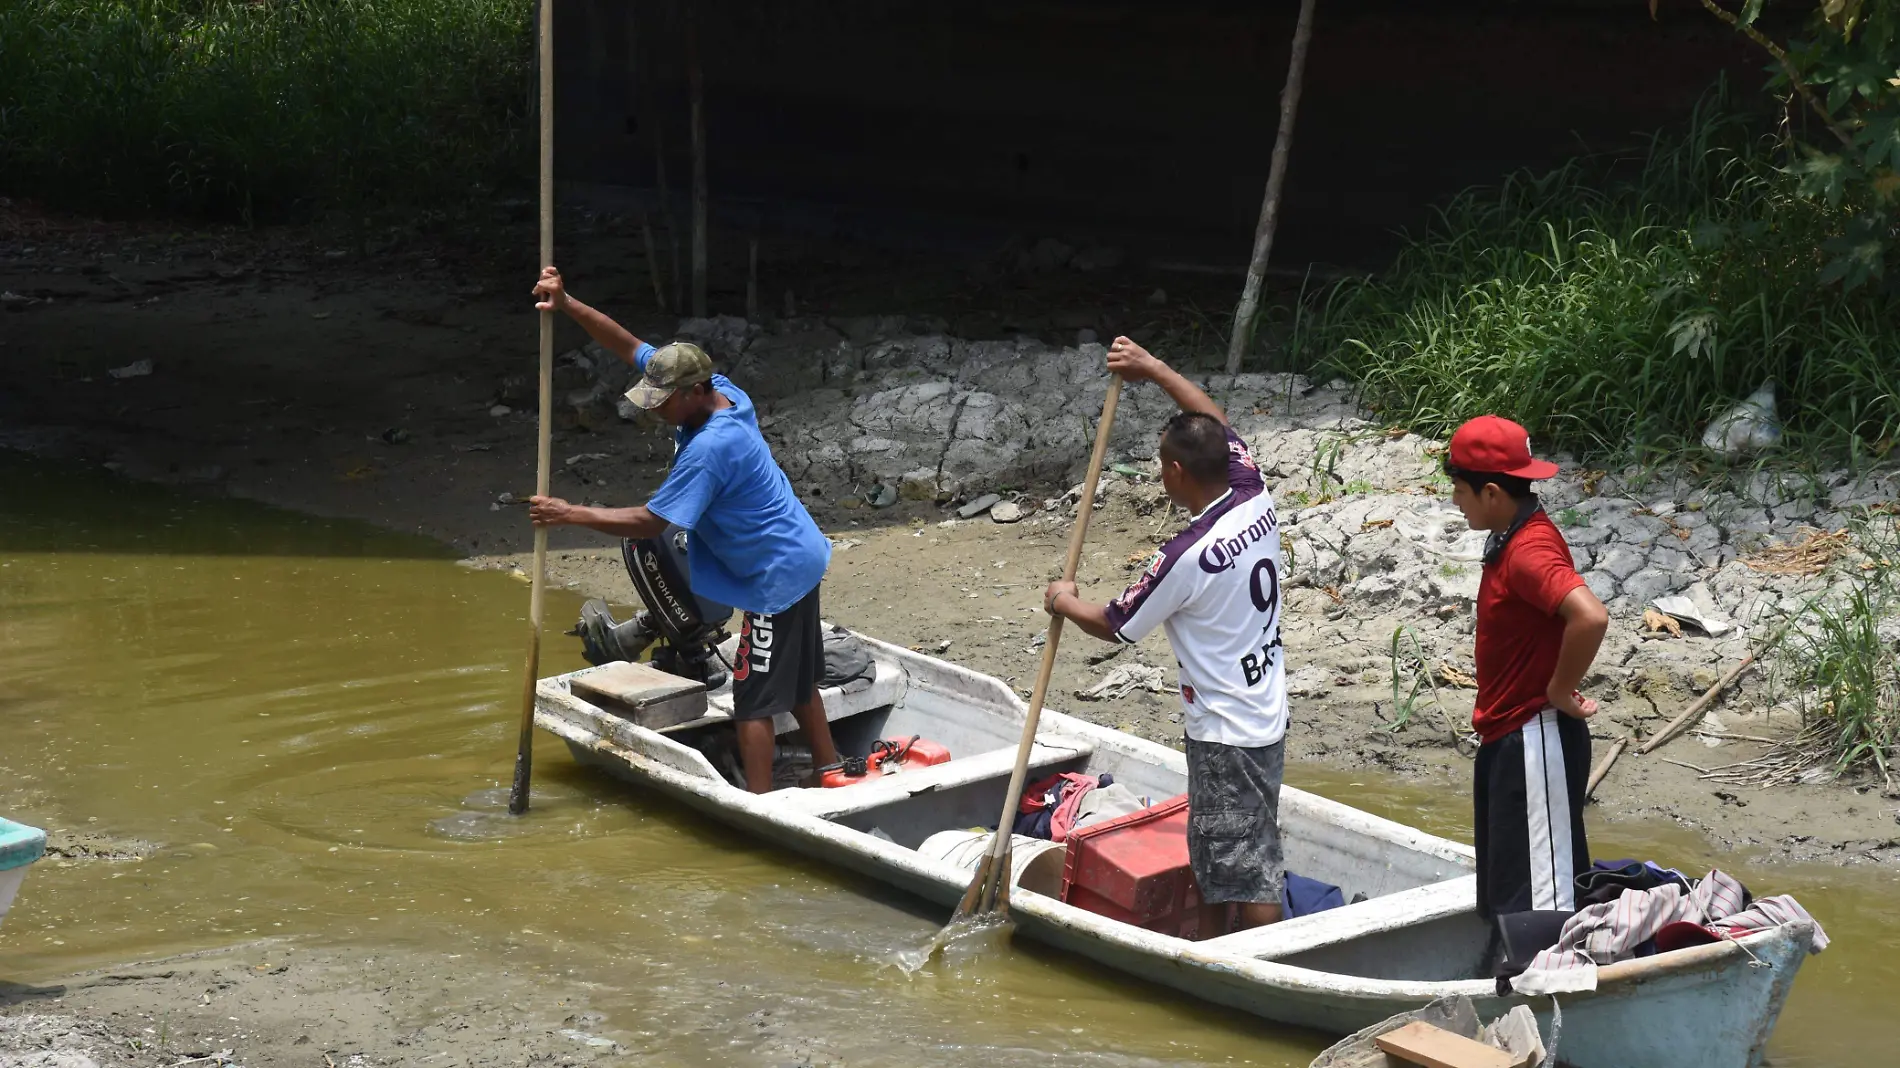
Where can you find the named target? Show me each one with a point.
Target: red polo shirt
(1519, 630)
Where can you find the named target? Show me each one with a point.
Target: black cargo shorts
(1234, 821)
(781, 658)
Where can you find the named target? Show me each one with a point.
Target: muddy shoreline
(247, 397)
(272, 1003)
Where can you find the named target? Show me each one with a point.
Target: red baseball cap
(1496, 446)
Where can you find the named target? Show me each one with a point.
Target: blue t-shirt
(754, 546)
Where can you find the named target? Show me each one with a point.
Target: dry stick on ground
(524, 745)
(1167, 513)
(1693, 714)
(1690, 716)
(696, 87)
(1602, 769)
(1276, 178)
(1729, 737)
(1721, 768)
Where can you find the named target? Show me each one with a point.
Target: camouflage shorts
(1234, 821)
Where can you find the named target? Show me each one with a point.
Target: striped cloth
(1610, 932)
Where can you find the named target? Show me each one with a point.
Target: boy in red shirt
(1539, 628)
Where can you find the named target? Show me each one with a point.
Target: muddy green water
(314, 721)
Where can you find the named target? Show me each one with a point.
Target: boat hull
(20, 847)
(1708, 1007)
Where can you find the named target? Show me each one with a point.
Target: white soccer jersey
(1215, 587)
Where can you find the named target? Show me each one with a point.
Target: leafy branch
(1847, 73)
(1745, 23)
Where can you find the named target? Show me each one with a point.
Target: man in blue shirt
(754, 546)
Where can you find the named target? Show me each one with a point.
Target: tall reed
(1841, 659)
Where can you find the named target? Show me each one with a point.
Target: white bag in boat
(1750, 426)
(1516, 1034)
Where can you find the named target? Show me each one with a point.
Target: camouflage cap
(671, 367)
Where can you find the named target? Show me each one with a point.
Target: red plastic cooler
(1134, 868)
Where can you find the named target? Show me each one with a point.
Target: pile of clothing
(1634, 909)
(1607, 879)
(1053, 808)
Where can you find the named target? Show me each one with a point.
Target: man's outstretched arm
(635, 522)
(1060, 599)
(551, 295)
(1136, 364)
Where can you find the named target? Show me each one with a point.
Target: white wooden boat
(1414, 939)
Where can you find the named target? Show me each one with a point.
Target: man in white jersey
(1215, 587)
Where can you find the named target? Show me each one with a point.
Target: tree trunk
(653, 263)
(655, 120)
(697, 87)
(752, 282)
(1249, 308)
(639, 92)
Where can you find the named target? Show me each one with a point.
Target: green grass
(288, 109)
(1845, 673)
(1614, 309)
(1412, 673)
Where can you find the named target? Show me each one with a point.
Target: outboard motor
(688, 627)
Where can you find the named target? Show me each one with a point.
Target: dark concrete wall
(1148, 124)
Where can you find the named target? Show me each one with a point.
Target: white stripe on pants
(1547, 811)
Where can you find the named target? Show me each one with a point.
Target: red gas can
(1135, 869)
(888, 756)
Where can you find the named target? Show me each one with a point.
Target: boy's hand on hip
(1573, 704)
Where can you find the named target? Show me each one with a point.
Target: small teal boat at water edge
(20, 846)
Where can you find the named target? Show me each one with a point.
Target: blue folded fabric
(1304, 896)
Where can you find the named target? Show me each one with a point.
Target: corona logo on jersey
(1221, 553)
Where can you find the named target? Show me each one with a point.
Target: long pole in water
(989, 890)
(524, 746)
